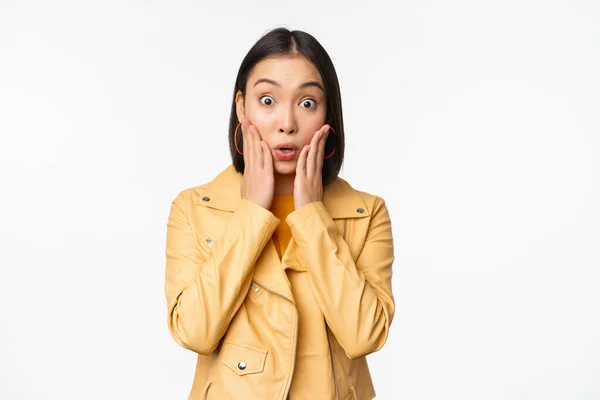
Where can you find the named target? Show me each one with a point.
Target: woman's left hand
(308, 183)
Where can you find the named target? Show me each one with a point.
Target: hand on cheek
(308, 183)
(258, 181)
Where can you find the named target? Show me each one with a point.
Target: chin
(285, 168)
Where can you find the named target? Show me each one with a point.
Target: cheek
(261, 121)
(311, 130)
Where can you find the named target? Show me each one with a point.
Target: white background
(477, 121)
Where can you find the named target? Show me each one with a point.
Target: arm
(355, 298)
(205, 291)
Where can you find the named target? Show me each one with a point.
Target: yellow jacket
(229, 299)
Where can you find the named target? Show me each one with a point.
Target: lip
(290, 155)
(286, 146)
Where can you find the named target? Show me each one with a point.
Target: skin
(285, 113)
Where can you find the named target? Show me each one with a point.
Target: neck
(284, 184)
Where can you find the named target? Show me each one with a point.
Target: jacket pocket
(243, 359)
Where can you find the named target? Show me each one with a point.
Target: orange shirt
(281, 207)
(310, 365)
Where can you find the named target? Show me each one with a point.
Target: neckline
(283, 196)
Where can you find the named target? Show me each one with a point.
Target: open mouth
(286, 153)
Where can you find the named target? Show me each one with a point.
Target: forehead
(287, 70)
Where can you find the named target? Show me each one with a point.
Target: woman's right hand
(258, 181)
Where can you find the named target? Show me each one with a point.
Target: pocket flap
(243, 359)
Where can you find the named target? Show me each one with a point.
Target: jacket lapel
(339, 198)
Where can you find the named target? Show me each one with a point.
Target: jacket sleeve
(204, 290)
(355, 298)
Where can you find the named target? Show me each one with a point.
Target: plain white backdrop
(477, 121)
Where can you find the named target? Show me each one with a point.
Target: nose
(288, 123)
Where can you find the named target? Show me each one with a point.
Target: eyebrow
(304, 85)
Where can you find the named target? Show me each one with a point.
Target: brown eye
(268, 100)
(307, 103)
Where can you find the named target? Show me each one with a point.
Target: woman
(278, 272)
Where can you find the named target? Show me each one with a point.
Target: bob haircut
(283, 42)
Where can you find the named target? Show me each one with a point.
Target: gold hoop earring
(334, 148)
(235, 138)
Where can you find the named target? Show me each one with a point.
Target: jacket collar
(339, 198)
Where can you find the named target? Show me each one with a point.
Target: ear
(239, 106)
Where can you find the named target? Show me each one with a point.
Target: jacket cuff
(258, 214)
(304, 221)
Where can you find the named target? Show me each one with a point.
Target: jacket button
(360, 210)
(242, 365)
(206, 198)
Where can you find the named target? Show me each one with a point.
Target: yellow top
(281, 207)
(310, 364)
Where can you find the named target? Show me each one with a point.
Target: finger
(258, 151)
(245, 140)
(251, 150)
(257, 133)
(321, 152)
(312, 154)
(301, 167)
(247, 144)
(268, 158)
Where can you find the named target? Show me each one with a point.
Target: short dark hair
(282, 41)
